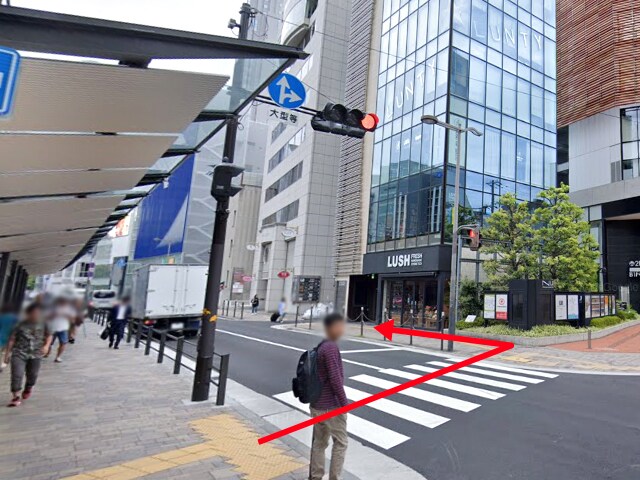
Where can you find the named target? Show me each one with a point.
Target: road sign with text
(9, 66)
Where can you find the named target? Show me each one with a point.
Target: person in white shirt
(119, 317)
(63, 314)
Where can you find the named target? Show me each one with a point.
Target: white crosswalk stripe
(456, 384)
(470, 378)
(489, 373)
(456, 387)
(442, 400)
(400, 410)
(356, 426)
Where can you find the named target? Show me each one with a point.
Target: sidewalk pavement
(118, 415)
(557, 357)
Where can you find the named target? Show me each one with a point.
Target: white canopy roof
(82, 134)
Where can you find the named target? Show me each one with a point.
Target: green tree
(512, 229)
(470, 298)
(566, 251)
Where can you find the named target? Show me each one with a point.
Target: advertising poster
(490, 306)
(606, 304)
(595, 306)
(587, 306)
(501, 306)
(561, 307)
(163, 214)
(573, 312)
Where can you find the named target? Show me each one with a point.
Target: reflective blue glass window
(508, 156)
(462, 15)
(495, 29)
(523, 160)
(479, 21)
(509, 45)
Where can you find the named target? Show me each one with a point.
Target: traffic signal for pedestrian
(475, 239)
(340, 120)
(223, 174)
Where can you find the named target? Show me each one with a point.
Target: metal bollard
(147, 347)
(311, 317)
(413, 322)
(589, 339)
(297, 313)
(178, 359)
(222, 379)
(163, 339)
(362, 321)
(138, 334)
(235, 307)
(129, 330)
(242, 311)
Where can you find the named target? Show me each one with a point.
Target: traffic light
(338, 119)
(223, 174)
(475, 239)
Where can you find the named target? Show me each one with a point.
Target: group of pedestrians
(27, 337)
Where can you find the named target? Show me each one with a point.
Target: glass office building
(488, 64)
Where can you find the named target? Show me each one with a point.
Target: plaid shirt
(331, 374)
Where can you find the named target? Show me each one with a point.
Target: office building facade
(490, 65)
(599, 135)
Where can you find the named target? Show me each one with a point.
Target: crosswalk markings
(489, 373)
(505, 378)
(470, 378)
(456, 387)
(356, 426)
(535, 373)
(436, 398)
(405, 412)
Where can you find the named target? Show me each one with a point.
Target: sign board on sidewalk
(573, 312)
(9, 69)
(561, 307)
(489, 306)
(502, 305)
(287, 91)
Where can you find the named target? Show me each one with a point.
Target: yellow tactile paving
(225, 436)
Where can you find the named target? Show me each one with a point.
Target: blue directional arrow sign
(9, 66)
(287, 91)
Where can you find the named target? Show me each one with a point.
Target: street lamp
(459, 129)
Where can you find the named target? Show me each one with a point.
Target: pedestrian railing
(155, 338)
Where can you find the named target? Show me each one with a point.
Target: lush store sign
(406, 260)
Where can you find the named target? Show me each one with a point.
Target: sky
(201, 16)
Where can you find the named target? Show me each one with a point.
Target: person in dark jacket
(119, 317)
(332, 396)
(255, 302)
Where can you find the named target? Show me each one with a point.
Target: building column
(442, 281)
(380, 301)
(4, 265)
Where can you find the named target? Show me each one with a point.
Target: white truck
(169, 297)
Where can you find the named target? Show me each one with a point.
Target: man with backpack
(320, 382)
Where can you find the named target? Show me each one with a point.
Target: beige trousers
(336, 429)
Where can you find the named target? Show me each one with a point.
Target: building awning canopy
(89, 138)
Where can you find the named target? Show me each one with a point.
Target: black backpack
(307, 385)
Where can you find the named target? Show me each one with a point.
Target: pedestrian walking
(119, 317)
(62, 316)
(8, 320)
(78, 318)
(282, 309)
(28, 342)
(332, 396)
(255, 303)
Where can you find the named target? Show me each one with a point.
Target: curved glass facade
(490, 65)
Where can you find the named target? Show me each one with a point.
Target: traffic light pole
(206, 342)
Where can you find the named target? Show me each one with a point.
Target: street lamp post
(459, 129)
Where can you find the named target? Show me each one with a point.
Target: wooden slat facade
(598, 57)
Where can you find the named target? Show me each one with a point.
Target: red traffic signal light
(369, 122)
(475, 239)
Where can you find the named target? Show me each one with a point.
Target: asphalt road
(573, 426)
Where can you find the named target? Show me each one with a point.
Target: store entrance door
(412, 302)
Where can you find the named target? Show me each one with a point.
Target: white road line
(489, 373)
(356, 426)
(399, 410)
(371, 350)
(470, 378)
(289, 347)
(436, 398)
(525, 371)
(436, 382)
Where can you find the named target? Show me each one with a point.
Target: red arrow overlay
(387, 330)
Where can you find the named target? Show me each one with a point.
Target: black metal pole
(204, 360)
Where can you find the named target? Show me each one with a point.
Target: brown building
(599, 129)
(598, 57)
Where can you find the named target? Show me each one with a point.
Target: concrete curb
(554, 340)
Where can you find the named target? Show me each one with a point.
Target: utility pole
(206, 342)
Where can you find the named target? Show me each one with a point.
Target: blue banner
(163, 214)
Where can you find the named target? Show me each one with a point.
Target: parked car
(102, 300)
